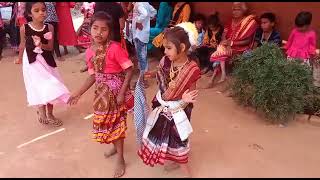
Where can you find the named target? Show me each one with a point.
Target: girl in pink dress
(110, 69)
(42, 81)
(66, 33)
(302, 40)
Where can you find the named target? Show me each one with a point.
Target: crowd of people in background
(113, 34)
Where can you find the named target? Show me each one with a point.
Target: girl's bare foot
(112, 152)
(120, 168)
(84, 69)
(171, 166)
(42, 118)
(65, 50)
(17, 61)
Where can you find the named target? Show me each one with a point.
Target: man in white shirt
(142, 13)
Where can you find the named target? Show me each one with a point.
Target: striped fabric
(141, 110)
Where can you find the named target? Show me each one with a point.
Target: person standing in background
(66, 33)
(18, 12)
(52, 19)
(142, 13)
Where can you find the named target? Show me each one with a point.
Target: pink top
(117, 59)
(301, 44)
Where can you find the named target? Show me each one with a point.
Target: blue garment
(141, 49)
(141, 110)
(201, 36)
(274, 37)
(163, 19)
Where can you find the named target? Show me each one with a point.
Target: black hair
(215, 21)
(199, 17)
(28, 8)
(303, 18)
(103, 16)
(177, 35)
(270, 16)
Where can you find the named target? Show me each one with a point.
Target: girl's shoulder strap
(27, 29)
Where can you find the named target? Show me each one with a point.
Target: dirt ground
(228, 140)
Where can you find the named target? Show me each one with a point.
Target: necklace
(264, 40)
(174, 73)
(99, 59)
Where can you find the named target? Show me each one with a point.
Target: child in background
(302, 40)
(110, 70)
(210, 42)
(142, 13)
(267, 32)
(43, 83)
(200, 23)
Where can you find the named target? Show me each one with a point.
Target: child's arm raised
(76, 96)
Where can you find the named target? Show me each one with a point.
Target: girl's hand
(120, 99)
(73, 99)
(189, 96)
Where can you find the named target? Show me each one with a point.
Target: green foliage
(265, 80)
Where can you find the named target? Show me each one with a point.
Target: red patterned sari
(163, 142)
(245, 29)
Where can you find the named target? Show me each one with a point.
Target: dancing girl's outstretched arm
(76, 96)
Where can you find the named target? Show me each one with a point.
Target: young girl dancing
(110, 70)
(302, 40)
(43, 83)
(168, 126)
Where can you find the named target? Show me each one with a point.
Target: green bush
(265, 80)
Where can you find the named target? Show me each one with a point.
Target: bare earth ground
(228, 140)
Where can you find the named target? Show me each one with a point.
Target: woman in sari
(163, 19)
(238, 37)
(83, 33)
(181, 13)
(165, 136)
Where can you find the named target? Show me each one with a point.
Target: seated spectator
(267, 32)
(211, 39)
(301, 44)
(199, 21)
(181, 13)
(238, 37)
